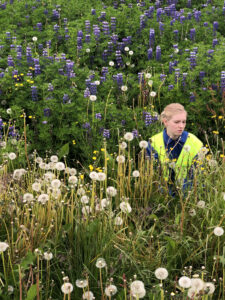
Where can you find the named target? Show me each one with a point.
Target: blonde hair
(170, 110)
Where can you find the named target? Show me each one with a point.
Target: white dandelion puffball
(10, 289)
(84, 199)
(60, 166)
(55, 193)
(143, 144)
(212, 163)
(124, 88)
(97, 82)
(123, 145)
(110, 290)
(161, 273)
(105, 202)
(36, 186)
(223, 195)
(34, 39)
(218, 231)
(137, 289)
(111, 191)
(43, 198)
(54, 158)
(88, 50)
(187, 148)
(192, 293)
(43, 166)
(73, 179)
(93, 98)
(118, 221)
(47, 255)
(150, 83)
(131, 52)
(67, 288)
(86, 210)
(120, 159)
(192, 212)
(81, 283)
(88, 295)
(28, 197)
(136, 173)
(128, 136)
(125, 207)
(126, 49)
(148, 75)
(111, 63)
(56, 183)
(201, 204)
(72, 171)
(93, 175)
(184, 282)
(100, 263)
(209, 288)
(153, 94)
(8, 111)
(18, 173)
(12, 156)
(49, 176)
(197, 284)
(81, 192)
(3, 246)
(38, 160)
(101, 176)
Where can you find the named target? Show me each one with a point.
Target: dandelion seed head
(161, 273)
(218, 231)
(100, 263)
(67, 288)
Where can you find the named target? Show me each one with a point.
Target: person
(174, 148)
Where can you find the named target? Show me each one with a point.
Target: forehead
(179, 116)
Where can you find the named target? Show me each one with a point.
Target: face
(175, 126)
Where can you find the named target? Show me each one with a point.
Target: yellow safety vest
(190, 149)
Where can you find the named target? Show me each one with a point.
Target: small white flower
(34, 38)
(184, 282)
(110, 290)
(197, 284)
(43, 198)
(150, 83)
(218, 231)
(47, 255)
(111, 191)
(187, 148)
(118, 221)
(131, 52)
(101, 176)
(86, 210)
(12, 156)
(28, 197)
(84, 199)
(67, 288)
(176, 50)
(148, 75)
(60, 166)
(161, 273)
(192, 212)
(36, 186)
(93, 98)
(137, 289)
(143, 144)
(123, 145)
(3, 246)
(124, 88)
(201, 204)
(88, 295)
(9, 111)
(209, 288)
(111, 63)
(81, 283)
(88, 50)
(153, 94)
(54, 158)
(93, 175)
(136, 173)
(100, 263)
(56, 183)
(120, 159)
(97, 82)
(125, 207)
(128, 136)
(126, 49)
(73, 179)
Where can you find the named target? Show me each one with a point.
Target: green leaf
(28, 260)
(64, 150)
(32, 293)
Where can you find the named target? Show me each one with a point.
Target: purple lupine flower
(93, 11)
(161, 27)
(105, 70)
(106, 133)
(47, 112)
(2, 74)
(96, 31)
(215, 26)
(192, 34)
(135, 133)
(158, 53)
(159, 12)
(205, 24)
(39, 26)
(184, 79)
(93, 88)
(86, 125)
(102, 16)
(87, 26)
(151, 37)
(214, 42)
(87, 38)
(177, 75)
(222, 81)
(105, 55)
(29, 56)
(193, 59)
(50, 87)
(176, 34)
(105, 28)
(119, 59)
(8, 35)
(55, 14)
(197, 15)
(142, 21)
(188, 3)
(98, 116)
(201, 75)
(162, 77)
(87, 93)
(10, 61)
(141, 78)
(113, 24)
(34, 93)
(171, 65)
(114, 38)
(148, 119)
(170, 87)
(150, 53)
(56, 27)
(123, 122)
(119, 79)
(37, 69)
(66, 99)
(192, 97)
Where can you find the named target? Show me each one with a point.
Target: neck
(173, 137)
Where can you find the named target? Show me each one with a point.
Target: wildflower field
(84, 213)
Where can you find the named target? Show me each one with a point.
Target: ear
(164, 122)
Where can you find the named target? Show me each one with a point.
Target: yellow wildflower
(102, 149)
(91, 167)
(220, 117)
(94, 157)
(30, 117)
(216, 132)
(221, 155)
(74, 142)
(213, 117)
(81, 176)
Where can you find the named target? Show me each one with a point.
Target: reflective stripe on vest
(185, 159)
